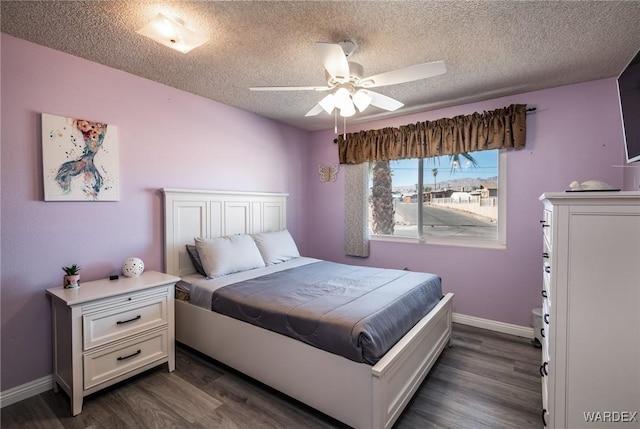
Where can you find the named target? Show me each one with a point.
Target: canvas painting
(80, 159)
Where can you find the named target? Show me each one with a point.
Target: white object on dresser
(108, 330)
(591, 310)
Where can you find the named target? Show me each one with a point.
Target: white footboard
(357, 394)
(397, 376)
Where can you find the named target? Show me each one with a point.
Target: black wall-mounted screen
(629, 92)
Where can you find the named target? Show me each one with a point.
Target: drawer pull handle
(542, 332)
(543, 369)
(130, 356)
(547, 269)
(122, 322)
(546, 318)
(544, 293)
(545, 255)
(544, 421)
(544, 224)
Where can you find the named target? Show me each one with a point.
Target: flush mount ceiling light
(172, 33)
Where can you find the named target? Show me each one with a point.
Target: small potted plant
(71, 278)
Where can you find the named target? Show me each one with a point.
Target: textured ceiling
(490, 48)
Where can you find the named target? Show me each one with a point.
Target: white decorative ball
(133, 267)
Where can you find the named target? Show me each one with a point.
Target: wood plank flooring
(485, 380)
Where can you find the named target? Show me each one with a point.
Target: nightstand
(108, 330)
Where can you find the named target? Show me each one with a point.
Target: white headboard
(190, 213)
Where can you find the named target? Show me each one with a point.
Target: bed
(359, 394)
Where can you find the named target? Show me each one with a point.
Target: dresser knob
(545, 255)
(544, 293)
(542, 332)
(546, 318)
(547, 269)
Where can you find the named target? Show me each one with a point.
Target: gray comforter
(355, 312)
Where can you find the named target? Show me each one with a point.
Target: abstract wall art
(79, 159)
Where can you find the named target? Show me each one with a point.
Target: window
(456, 199)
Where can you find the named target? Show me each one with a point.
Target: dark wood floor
(485, 380)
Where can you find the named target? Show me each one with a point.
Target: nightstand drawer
(103, 365)
(117, 323)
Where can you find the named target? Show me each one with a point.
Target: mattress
(356, 312)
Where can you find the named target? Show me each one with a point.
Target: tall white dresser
(591, 310)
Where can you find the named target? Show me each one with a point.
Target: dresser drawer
(545, 414)
(547, 292)
(546, 251)
(105, 364)
(122, 321)
(547, 226)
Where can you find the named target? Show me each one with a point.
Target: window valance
(496, 129)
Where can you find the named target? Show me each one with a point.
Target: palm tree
(455, 160)
(382, 199)
(382, 209)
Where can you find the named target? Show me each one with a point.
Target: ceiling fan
(350, 90)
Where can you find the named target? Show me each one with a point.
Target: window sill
(462, 242)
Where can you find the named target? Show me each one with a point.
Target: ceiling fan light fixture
(328, 103)
(342, 98)
(173, 34)
(362, 100)
(348, 110)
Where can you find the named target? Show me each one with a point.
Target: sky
(405, 171)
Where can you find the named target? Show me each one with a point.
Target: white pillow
(276, 247)
(229, 254)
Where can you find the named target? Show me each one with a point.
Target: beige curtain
(356, 184)
(496, 129)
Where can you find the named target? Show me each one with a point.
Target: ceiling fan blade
(384, 102)
(290, 88)
(407, 74)
(317, 109)
(334, 60)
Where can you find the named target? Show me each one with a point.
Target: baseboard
(45, 383)
(27, 390)
(493, 325)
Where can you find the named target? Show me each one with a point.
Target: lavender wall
(575, 134)
(632, 176)
(167, 138)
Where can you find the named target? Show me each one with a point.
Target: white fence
(486, 207)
